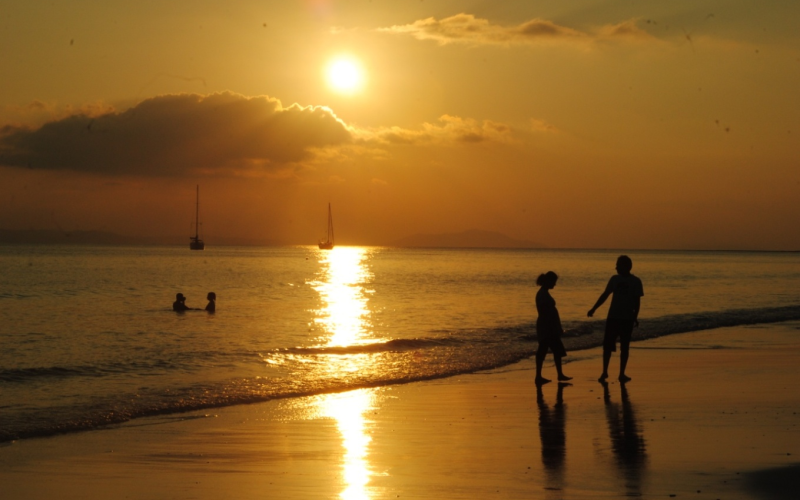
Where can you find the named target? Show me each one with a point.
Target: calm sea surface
(88, 337)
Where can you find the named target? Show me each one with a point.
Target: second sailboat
(328, 244)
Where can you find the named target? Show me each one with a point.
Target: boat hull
(197, 244)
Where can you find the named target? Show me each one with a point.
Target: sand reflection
(627, 441)
(552, 432)
(348, 409)
(344, 317)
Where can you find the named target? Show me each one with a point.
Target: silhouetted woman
(548, 327)
(212, 302)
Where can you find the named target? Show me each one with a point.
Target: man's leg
(606, 359)
(623, 362)
(609, 346)
(625, 346)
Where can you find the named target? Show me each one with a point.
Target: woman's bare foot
(541, 380)
(603, 377)
(624, 378)
(563, 378)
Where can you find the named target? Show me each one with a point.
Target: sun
(345, 75)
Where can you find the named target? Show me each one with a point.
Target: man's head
(624, 264)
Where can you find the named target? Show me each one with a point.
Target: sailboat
(328, 244)
(195, 242)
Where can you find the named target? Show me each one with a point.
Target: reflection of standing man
(623, 314)
(552, 424)
(627, 441)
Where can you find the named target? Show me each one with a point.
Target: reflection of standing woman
(548, 327)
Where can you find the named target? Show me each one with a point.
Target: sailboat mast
(197, 215)
(330, 223)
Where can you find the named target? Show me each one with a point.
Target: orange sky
(571, 124)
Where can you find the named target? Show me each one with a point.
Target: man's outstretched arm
(599, 303)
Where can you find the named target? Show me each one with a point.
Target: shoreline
(590, 336)
(713, 411)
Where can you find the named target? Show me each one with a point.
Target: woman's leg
(540, 355)
(561, 375)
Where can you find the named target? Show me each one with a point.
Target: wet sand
(708, 415)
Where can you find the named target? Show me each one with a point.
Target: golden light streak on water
(344, 317)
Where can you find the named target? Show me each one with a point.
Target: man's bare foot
(563, 378)
(624, 378)
(541, 380)
(603, 377)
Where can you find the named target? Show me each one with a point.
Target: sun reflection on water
(344, 318)
(344, 315)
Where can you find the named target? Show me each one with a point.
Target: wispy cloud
(468, 29)
(176, 134)
(450, 130)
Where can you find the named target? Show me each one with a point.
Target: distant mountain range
(472, 238)
(53, 237)
(106, 238)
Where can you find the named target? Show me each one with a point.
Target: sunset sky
(587, 123)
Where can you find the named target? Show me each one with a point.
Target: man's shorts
(622, 328)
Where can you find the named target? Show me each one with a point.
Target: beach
(711, 414)
(309, 250)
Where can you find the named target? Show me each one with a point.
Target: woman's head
(547, 280)
(211, 296)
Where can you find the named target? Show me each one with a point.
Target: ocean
(89, 339)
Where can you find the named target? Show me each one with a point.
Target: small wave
(589, 334)
(693, 322)
(23, 375)
(395, 345)
(26, 374)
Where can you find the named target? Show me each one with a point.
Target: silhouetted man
(626, 290)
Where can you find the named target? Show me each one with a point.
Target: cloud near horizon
(468, 29)
(217, 134)
(222, 133)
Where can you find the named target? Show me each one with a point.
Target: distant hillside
(473, 238)
(52, 237)
(103, 238)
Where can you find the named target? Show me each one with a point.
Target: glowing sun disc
(344, 75)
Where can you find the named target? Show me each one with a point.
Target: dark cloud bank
(177, 134)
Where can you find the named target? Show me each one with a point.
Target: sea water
(88, 337)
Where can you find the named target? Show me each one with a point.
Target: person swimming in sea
(180, 303)
(212, 302)
(548, 328)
